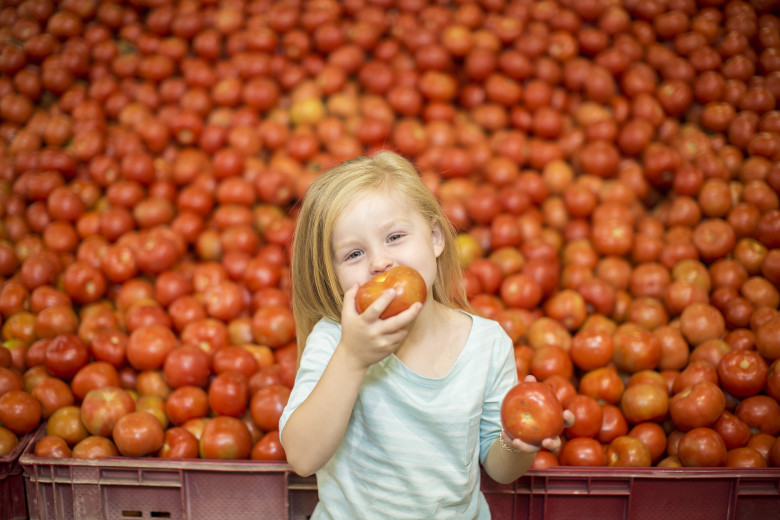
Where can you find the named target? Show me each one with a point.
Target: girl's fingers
(552, 443)
(380, 304)
(568, 418)
(349, 299)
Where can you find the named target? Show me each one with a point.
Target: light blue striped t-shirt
(414, 444)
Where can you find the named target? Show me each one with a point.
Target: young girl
(395, 415)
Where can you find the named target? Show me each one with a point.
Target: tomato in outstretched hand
(531, 412)
(408, 284)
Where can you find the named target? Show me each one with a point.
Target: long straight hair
(316, 292)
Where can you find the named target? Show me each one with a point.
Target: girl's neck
(435, 340)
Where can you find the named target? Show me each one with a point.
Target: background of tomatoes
(612, 169)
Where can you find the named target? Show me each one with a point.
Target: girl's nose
(380, 264)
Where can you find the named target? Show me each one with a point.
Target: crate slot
(759, 487)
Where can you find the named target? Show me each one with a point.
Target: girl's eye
(394, 237)
(354, 254)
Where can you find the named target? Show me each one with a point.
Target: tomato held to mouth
(408, 284)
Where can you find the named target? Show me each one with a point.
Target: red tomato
(613, 424)
(702, 447)
(65, 355)
(587, 416)
(225, 438)
(102, 408)
(745, 457)
(760, 412)
(185, 403)
(178, 443)
(187, 365)
(626, 451)
(236, 359)
(148, 346)
(591, 349)
(407, 282)
(66, 423)
(742, 373)
(269, 447)
(531, 412)
(228, 394)
(97, 374)
(53, 393)
(604, 384)
(273, 326)
(697, 406)
(53, 447)
(137, 434)
(582, 451)
(95, 447)
(19, 411)
(644, 402)
(654, 437)
(267, 405)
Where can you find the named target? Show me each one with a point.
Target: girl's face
(381, 230)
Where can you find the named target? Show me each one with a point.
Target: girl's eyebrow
(347, 243)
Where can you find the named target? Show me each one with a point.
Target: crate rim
(28, 460)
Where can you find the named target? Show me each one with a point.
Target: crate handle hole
(132, 514)
(160, 514)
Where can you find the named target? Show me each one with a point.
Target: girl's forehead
(379, 198)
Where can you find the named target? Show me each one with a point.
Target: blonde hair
(315, 287)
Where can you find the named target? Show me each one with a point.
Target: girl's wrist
(508, 447)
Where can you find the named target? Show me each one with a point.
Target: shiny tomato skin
(531, 412)
(587, 416)
(697, 406)
(626, 451)
(742, 373)
(149, 345)
(702, 447)
(582, 451)
(66, 423)
(138, 434)
(409, 286)
(269, 447)
(65, 355)
(93, 375)
(178, 443)
(187, 365)
(273, 326)
(102, 408)
(19, 411)
(760, 412)
(225, 438)
(95, 447)
(53, 447)
(229, 394)
(267, 405)
(185, 403)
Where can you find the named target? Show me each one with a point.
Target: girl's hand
(366, 336)
(550, 444)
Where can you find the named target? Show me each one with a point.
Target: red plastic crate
(118, 488)
(190, 489)
(565, 493)
(13, 503)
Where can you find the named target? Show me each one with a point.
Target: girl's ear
(437, 236)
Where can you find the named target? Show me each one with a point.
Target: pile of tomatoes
(612, 170)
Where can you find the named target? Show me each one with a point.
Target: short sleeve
(503, 376)
(320, 346)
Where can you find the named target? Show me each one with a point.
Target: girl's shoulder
(481, 326)
(325, 330)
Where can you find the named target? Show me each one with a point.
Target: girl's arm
(315, 429)
(508, 459)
